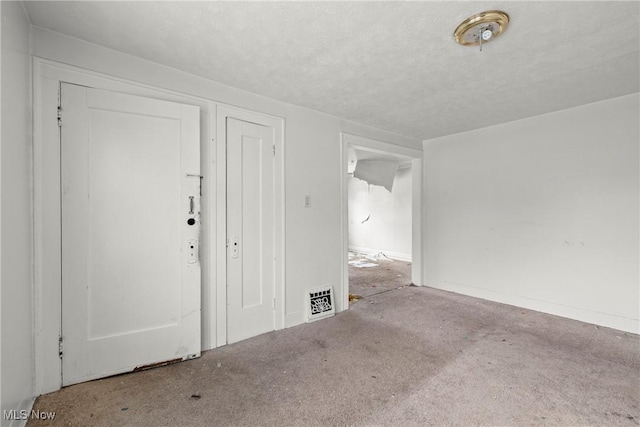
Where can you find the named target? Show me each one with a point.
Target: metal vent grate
(320, 303)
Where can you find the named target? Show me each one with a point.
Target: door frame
(347, 141)
(46, 210)
(277, 124)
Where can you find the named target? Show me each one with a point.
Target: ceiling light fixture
(481, 28)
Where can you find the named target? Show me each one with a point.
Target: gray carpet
(389, 274)
(411, 356)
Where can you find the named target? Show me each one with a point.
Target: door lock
(235, 247)
(192, 251)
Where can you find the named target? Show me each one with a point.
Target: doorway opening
(379, 223)
(382, 248)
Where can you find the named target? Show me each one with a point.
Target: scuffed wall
(17, 231)
(540, 213)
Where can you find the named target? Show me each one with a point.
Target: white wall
(541, 213)
(312, 153)
(388, 229)
(1, 368)
(16, 217)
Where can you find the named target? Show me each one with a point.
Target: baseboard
(584, 315)
(293, 319)
(393, 255)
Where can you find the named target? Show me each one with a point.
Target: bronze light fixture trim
(481, 28)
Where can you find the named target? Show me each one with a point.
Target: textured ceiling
(392, 65)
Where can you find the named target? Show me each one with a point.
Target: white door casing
(130, 266)
(366, 144)
(250, 229)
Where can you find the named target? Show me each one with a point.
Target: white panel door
(130, 268)
(250, 230)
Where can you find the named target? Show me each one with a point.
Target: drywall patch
(377, 172)
(361, 263)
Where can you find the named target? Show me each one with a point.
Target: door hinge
(274, 304)
(59, 116)
(274, 149)
(60, 347)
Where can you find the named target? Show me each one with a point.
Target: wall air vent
(320, 303)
